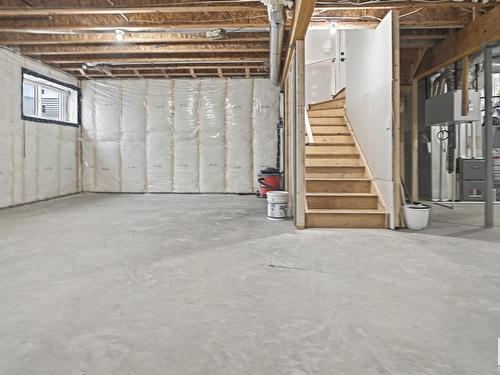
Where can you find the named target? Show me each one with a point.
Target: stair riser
(333, 140)
(358, 202)
(330, 150)
(346, 220)
(332, 162)
(316, 186)
(336, 172)
(327, 121)
(329, 105)
(326, 113)
(329, 130)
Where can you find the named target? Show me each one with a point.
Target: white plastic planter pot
(416, 216)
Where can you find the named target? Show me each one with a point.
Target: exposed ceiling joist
(137, 27)
(11, 39)
(133, 49)
(399, 5)
(40, 11)
(163, 67)
(174, 60)
(470, 39)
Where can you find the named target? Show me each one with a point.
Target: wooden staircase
(340, 192)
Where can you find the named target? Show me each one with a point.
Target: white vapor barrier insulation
(37, 160)
(184, 136)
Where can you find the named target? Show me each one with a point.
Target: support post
(465, 86)
(300, 220)
(414, 140)
(488, 136)
(396, 121)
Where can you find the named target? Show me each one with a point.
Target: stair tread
(341, 194)
(330, 144)
(344, 211)
(337, 179)
(340, 165)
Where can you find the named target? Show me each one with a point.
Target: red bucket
(268, 182)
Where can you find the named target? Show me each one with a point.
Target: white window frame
(68, 95)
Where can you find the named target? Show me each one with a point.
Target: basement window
(45, 99)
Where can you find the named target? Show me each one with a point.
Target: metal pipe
(488, 136)
(277, 20)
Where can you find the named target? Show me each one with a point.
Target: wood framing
(485, 29)
(414, 140)
(396, 119)
(301, 18)
(75, 10)
(122, 38)
(300, 219)
(465, 86)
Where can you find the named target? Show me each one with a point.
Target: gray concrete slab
(463, 220)
(193, 284)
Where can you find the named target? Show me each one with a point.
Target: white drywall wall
(320, 52)
(187, 136)
(37, 160)
(369, 100)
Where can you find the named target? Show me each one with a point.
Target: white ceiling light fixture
(120, 35)
(333, 27)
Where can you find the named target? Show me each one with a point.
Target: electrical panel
(446, 109)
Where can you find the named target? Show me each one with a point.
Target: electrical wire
(410, 13)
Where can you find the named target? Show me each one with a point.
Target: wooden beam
(152, 49)
(465, 42)
(417, 43)
(423, 36)
(414, 140)
(13, 39)
(59, 11)
(162, 67)
(193, 74)
(401, 6)
(219, 72)
(174, 60)
(303, 12)
(300, 108)
(247, 72)
(414, 66)
(396, 120)
(465, 86)
(173, 25)
(160, 75)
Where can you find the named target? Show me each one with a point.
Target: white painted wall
(369, 100)
(211, 135)
(37, 160)
(320, 51)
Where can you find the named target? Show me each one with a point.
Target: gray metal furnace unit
(471, 179)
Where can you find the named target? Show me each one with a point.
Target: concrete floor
(463, 220)
(191, 284)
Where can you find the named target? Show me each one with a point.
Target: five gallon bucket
(416, 215)
(277, 205)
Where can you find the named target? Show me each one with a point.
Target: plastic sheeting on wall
(190, 136)
(212, 117)
(160, 136)
(186, 121)
(37, 160)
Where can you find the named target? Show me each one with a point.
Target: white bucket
(416, 215)
(277, 205)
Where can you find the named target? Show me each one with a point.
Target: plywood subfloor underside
(193, 284)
